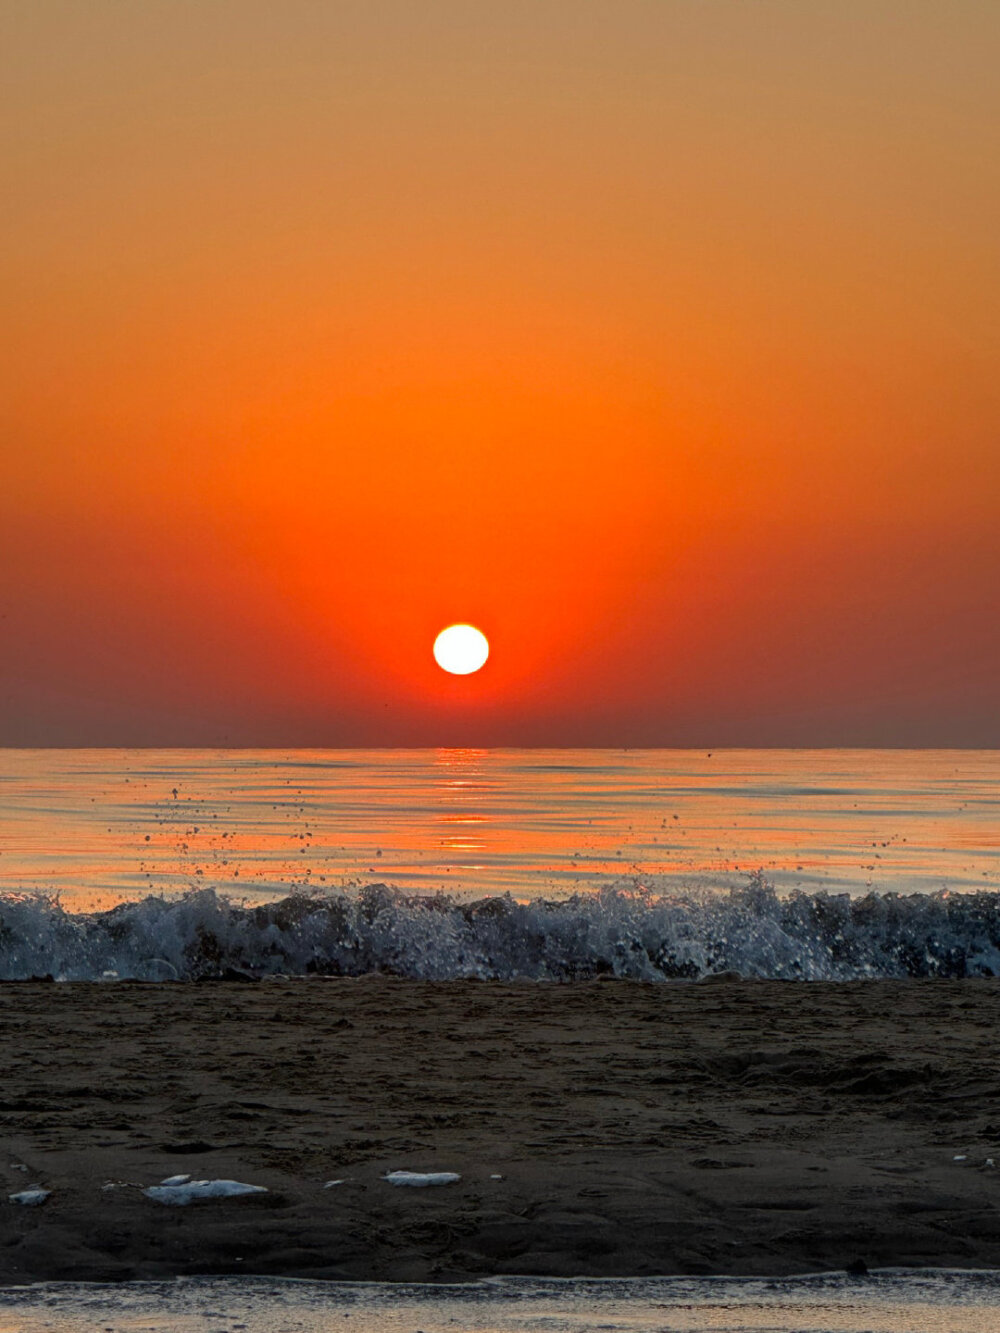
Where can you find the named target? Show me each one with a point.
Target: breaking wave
(621, 932)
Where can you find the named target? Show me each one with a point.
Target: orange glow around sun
(660, 343)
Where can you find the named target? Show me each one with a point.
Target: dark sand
(729, 1127)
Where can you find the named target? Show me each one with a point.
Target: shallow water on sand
(887, 1302)
(102, 826)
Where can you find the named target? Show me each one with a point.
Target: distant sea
(547, 864)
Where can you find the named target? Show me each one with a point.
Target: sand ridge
(727, 1127)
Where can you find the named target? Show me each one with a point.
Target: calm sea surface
(102, 826)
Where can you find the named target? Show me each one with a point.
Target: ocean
(536, 864)
(889, 1302)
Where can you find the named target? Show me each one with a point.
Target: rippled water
(888, 1302)
(102, 826)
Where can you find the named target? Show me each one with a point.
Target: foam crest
(626, 931)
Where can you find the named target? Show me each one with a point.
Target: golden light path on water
(100, 826)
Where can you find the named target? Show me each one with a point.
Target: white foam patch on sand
(200, 1189)
(31, 1197)
(421, 1179)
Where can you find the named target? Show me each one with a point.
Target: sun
(461, 649)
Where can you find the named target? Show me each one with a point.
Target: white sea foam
(30, 1197)
(421, 1179)
(200, 1189)
(626, 931)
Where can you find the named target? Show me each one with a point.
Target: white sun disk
(461, 649)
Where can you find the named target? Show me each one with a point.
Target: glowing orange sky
(657, 338)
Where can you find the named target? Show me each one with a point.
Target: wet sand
(725, 1127)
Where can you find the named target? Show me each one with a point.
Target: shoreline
(730, 1128)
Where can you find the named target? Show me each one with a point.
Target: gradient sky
(657, 337)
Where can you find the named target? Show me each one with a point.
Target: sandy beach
(600, 1128)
